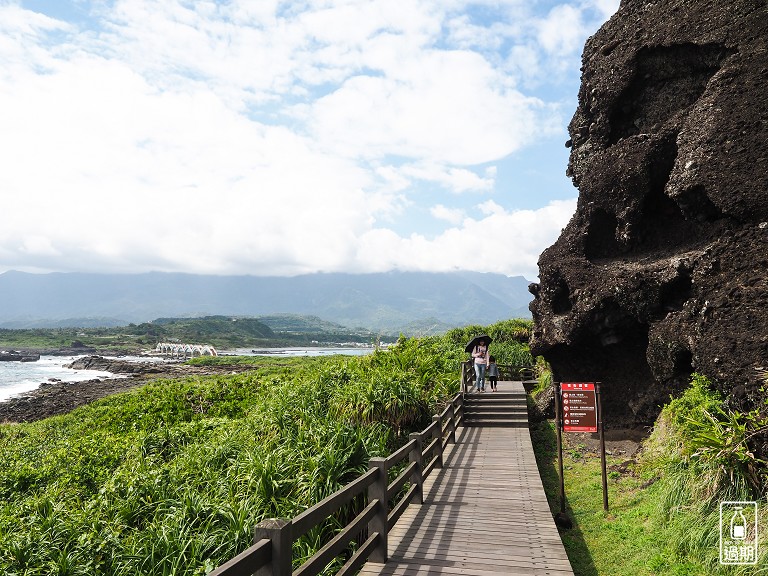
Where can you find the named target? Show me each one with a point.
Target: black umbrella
(476, 340)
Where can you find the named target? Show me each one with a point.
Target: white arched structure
(180, 350)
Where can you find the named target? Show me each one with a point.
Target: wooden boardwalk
(484, 514)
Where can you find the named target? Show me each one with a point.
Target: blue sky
(283, 137)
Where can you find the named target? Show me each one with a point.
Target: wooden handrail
(398, 483)
(311, 517)
(506, 372)
(248, 561)
(273, 538)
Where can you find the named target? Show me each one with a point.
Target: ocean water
(19, 377)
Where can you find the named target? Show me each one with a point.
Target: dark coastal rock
(543, 405)
(16, 356)
(55, 397)
(114, 365)
(663, 270)
(73, 351)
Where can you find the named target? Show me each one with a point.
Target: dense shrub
(172, 477)
(509, 345)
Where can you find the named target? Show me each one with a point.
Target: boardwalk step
(494, 414)
(489, 394)
(496, 407)
(486, 397)
(499, 405)
(500, 402)
(507, 409)
(492, 421)
(509, 423)
(496, 403)
(514, 401)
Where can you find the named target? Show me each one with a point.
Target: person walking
(480, 355)
(493, 372)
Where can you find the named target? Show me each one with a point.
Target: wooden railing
(271, 555)
(506, 372)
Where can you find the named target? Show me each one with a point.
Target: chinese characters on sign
(579, 407)
(738, 532)
(579, 410)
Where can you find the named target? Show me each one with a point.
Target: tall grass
(664, 504)
(170, 479)
(701, 454)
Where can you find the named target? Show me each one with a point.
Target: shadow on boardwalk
(485, 513)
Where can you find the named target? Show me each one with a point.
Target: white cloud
(273, 137)
(443, 106)
(525, 60)
(37, 245)
(606, 8)
(561, 32)
(490, 208)
(549, 47)
(457, 180)
(504, 242)
(452, 215)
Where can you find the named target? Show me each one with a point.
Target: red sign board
(579, 407)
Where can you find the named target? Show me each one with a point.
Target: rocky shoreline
(16, 356)
(56, 397)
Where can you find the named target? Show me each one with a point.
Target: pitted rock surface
(663, 270)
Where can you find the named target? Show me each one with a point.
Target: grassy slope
(625, 541)
(663, 517)
(171, 478)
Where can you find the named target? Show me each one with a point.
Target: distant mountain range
(412, 302)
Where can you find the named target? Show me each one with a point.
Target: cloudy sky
(282, 137)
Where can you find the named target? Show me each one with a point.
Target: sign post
(602, 445)
(559, 425)
(578, 409)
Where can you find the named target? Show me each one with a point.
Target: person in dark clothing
(493, 373)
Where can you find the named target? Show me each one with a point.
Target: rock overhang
(663, 270)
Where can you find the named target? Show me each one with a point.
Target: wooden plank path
(485, 513)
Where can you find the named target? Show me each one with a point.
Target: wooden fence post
(279, 532)
(439, 435)
(452, 423)
(415, 456)
(378, 491)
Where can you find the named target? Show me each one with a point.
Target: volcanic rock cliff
(663, 270)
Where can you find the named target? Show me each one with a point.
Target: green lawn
(640, 535)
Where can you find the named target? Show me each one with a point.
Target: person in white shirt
(480, 355)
